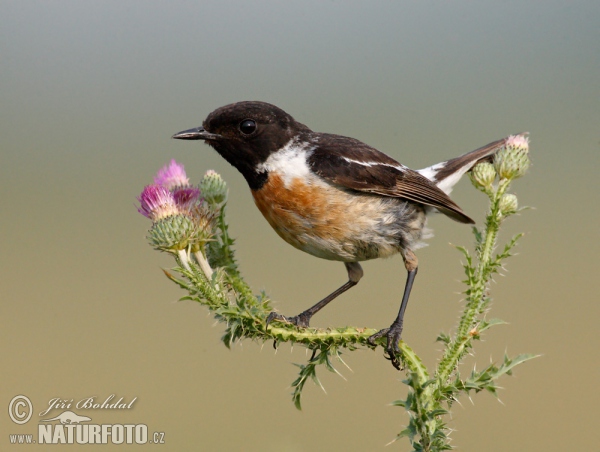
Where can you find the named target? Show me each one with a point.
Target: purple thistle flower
(157, 202)
(172, 176)
(186, 198)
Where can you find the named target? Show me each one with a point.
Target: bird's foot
(393, 335)
(301, 320)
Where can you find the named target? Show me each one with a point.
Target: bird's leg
(355, 272)
(394, 332)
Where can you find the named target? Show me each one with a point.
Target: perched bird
(332, 196)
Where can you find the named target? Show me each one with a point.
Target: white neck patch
(289, 162)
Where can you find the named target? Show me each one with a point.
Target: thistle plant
(190, 221)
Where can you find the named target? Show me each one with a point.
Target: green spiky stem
(476, 293)
(321, 336)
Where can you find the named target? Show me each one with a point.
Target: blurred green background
(90, 94)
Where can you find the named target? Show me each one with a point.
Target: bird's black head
(245, 134)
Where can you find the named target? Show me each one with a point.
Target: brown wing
(354, 165)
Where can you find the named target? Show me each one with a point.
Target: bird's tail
(446, 174)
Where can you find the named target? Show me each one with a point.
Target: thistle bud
(172, 233)
(213, 187)
(508, 204)
(513, 160)
(483, 175)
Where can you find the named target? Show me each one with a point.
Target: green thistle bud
(483, 175)
(213, 187)
(172, 233)
(513, 160)
(508, 204)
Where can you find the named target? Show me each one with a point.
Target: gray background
(90, 94)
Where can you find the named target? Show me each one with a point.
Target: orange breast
(328, 222)
(299, 210)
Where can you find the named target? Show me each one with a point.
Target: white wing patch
(398, 167)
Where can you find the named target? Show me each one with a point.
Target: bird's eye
(247, 126)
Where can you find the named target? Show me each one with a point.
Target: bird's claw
(393, 335)
(301, 320)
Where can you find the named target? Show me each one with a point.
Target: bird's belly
(334, 224)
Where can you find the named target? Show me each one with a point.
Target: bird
(335, 197)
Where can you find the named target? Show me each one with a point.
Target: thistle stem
(476, 294)
(321, 336)
(183, 257)
(203, 263)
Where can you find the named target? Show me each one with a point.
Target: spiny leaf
(443, 337)
(478, 235)
(177, 281)
(487, 324)
(306, 371)
(400, 402)
(510, 364)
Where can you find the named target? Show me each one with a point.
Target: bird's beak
(197, 133)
